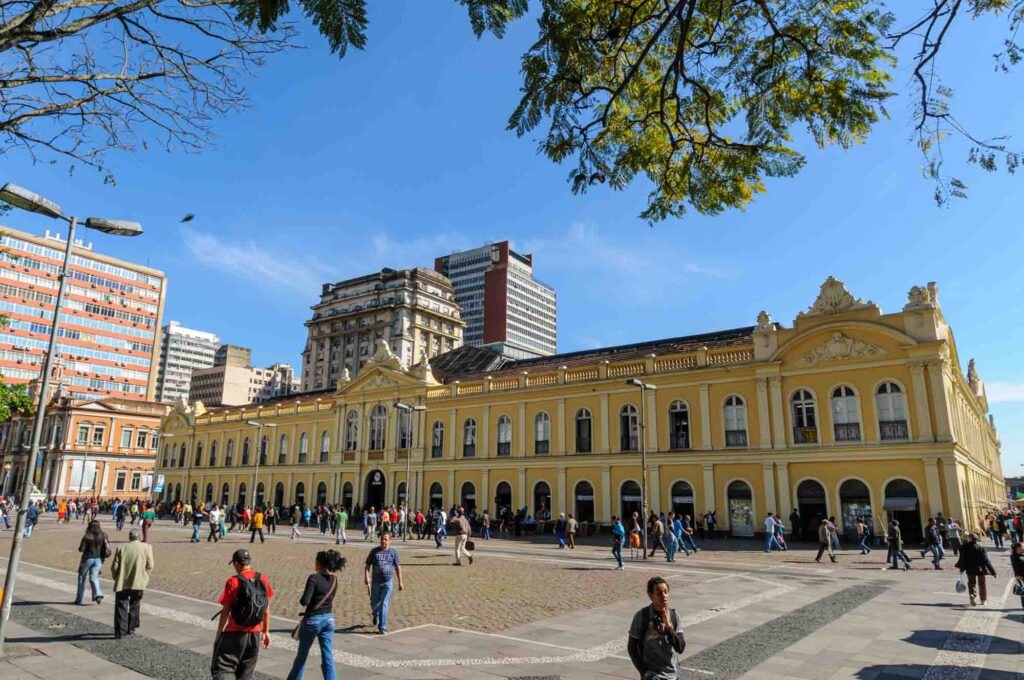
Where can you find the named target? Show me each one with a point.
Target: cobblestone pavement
(529, 610)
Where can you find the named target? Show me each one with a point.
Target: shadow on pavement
(937, 640)
(909, 670)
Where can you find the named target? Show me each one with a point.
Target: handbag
(105, 552)
(1018, 588)
(960, 587)
(312, 607)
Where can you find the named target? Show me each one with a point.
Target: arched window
(542, 433)
(504, 436)
(181, 456)
(263, 450)
(892, 411)
(352, 431)
(678, 425)
(225, 494)
(735, 421)
(468, 497)
(193, 495)
(229, 453)
(502, 498)
(279, 495)
(629, 428)
(199, 455)
(584, 497)
(682, 499)
(300, 494)
(167, 449)
(469, 438)
(303, 447)
(208, 496)
(241, 493)
(845, 419)
(630, 500)
(805, 422)
(325, 446)
(213, 458)
(437, 440)
(321, 493)
(282, 450)
(346, 496)
(584, 429)
(378, 428)
(245, 452)
(260, 491)
(404, 429)
(541, 501)
(436, 495)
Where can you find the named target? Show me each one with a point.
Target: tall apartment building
(108, 339)
(503, 306)
(413, 310)
(231, 381)
(181, 351)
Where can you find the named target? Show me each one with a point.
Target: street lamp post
(411, 410)
(26, 200)
(636, 382)
(259, 443)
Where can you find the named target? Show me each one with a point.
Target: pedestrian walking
(571, 527)
(825, 541)
(256, 526)
(148, 517)
(270, 520)
(197, 517)
(975, 563)
(296, 518)
(934, 543)
(244, 623)
(894, 537)
(1017, 564)
(440, 524)
(655, 532)
(94, 548)
(953, 533)
(317, 621)
(618, 540)
(463, 531)
(656, 635)
(31, 519)
(670, 541)
(381, 570)
(342, 522)
(371, 524)
(712, 522)
(862, 536)
(769, 533)
(131, 567)
(559, 530)
(215, 517)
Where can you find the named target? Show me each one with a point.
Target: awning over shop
(897, 503)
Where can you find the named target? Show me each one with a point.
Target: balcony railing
(436, 451)
(805, 435)
(504, 448)
(630, 444)
(468, 450)
(847, 432)
(679, 441)
(735, 438)
(542, 447)
(893, 429)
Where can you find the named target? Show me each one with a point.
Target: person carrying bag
(317, 621)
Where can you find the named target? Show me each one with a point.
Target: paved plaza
(527, 610)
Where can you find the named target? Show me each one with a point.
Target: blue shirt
(677, 527)
(620, 532)
(383, 562)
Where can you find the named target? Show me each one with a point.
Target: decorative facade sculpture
(839, 346)
(919, 298)
(834, 298)
(764, 321)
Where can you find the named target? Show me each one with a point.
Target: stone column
(605, 425)
(770, 504)
(560, 424)
(705, 418)
(934, 491)
(778, 421)
(521, 438)
(453, 494)
(763, 414)
(920, 392)
(485, 431)
(453, 436)
(606, 494)
(522, 489)
(710, 497)
(560, 498)
(955, 502)
(483, 496)
(937, 377)
(785, 496)
(652, 417)
(654, 488)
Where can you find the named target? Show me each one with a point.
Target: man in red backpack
(244, 621)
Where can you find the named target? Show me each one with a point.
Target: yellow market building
(850, 411)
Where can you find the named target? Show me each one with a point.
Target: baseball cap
(241, 556)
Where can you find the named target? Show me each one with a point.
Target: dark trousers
(214, 533)
(253, 539)
(126, 612)
(235, 655)
(976, 586)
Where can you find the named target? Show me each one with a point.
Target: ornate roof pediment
(378, 378)
(838, 346)
(834, 298)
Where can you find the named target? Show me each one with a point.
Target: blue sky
(398, 154)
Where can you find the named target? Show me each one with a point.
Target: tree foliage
(705, 99)
(14, 399)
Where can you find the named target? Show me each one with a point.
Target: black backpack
(251, 601)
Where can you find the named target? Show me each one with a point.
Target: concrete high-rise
(412, 310)
(503, 306)
(181, 351)
(107, 344)
(231, 381)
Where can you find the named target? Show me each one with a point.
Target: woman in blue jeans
(318, 619)
(94, 549)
